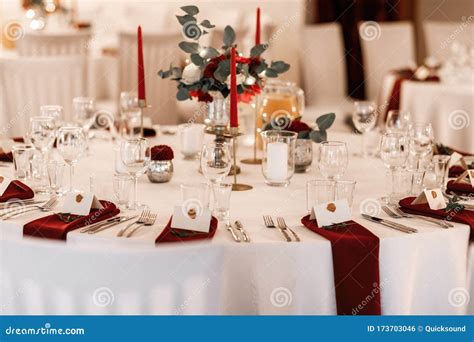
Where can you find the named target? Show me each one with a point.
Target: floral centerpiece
(206, 76)
(160, 169)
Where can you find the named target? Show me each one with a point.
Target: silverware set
(47, 206)
(395, 212)
(240, 228)
(146, 218)
(390, 224)
(282, 227)
(103, 225)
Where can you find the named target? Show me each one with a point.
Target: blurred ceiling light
(30, 13)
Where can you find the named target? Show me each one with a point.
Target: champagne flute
(135, 155)
(394, 153)
(71, 145)
(42, 134)
(397, 121)
(364, 118)
(216, 161)
(421, 143)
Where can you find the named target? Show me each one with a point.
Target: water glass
(398, 121)
(122, 184)
(421, 139)
(401, 185)
(198, 193)
(417, 177)
(319, 191)
(440, 164)
(221, 194)
(71, 144)
(345, 190)
(333, 159)
(83, 109)
(216, 161)
(53, 111)
(278, 163)
(22, 155)
(42, 135)
(191, 137)
(55, 176)
(364, 118)
(130, 113)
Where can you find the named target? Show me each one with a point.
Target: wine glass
(216, 161)
(71, 144)
(394, 153)
(135, 155)
(42, 134)
(130, 113)
(333, 159)
(54, 111)
(83, 109)
(397, 121)
(420, 143)
(364, 118)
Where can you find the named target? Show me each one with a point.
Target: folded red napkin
(180, 235)
(17, 190)
(355, 257)
(52, 227)
(460, 188)
(456, 171)
(6, 157)
(465, 216)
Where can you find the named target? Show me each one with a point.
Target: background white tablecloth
(423, 273)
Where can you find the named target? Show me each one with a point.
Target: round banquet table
(426, 273)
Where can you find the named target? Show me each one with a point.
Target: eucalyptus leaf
(261, 67)
(304, 134)
(222, 71)
(183, 94)
(189, 47)
(280, 66)
(196, 59)
(176, 72)
(229, 36)
(325, 121)
(318, 136)
(191, 10)
(164, 74)
(271, 73)
(207, 24)
(183, 19)
(257, 50)
(209, 52)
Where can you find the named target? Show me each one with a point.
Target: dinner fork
(269, 224)
(397, 213)
(139, 220)
(44, 207)
(17, 206)
(282, 224)
(149, 221)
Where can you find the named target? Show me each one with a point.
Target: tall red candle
(141, 68)
(234, 121)
(257, 32)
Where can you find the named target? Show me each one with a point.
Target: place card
(434, 198)
(331, 213)
(80, 204)
(466, 177)
(471, 176)
(191, 219)
(4, 183)
(455, 158)
(6, 145)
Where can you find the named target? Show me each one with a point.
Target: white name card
(331, 213)
(4, 183)
(80, 204)
(191, 219)
(434, 198)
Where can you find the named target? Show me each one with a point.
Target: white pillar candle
(191, 139)
(277, 160)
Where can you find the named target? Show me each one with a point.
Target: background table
(420, 273)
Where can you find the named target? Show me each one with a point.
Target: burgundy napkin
(17, 190)
(456, 171)
(52, 227)
(6, 157)
(180, 235)
(460, 188)
(465, 216)
(355, 257)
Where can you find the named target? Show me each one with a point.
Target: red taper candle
(234, 121)
(141, 68)
(257, 31)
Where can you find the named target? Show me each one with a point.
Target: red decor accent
(234, 121)
(460, 188)
(182, 235)
(17, 190)
(298, 126)
(464, 216)
(162, 152)
(6, 157)
(52, 227)
(456, 171)
(355, 257)
(257, 32)
(141, 68)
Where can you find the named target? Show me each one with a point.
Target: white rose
(191, 74)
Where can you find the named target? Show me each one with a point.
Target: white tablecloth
(423, 273)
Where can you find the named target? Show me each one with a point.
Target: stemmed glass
(364, 118)
(53, 111)
(130, 113)
(216, 161)
(83, 109)
(71, 144)
(420, 143)
(135, 155)
(394, 153)
(397, 121)
(42, 134)
(333, 159)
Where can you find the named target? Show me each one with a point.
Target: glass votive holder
(345, 190)
(319, 191)
(55, 170)
(198, 193)
(22, 155)
(278, 163)
(191, 137)
(122, 185)
(221, 192)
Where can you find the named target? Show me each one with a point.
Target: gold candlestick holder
(237, 186)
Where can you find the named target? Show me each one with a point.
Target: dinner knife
(98, 224)
(111, 224)
(231, 230)
(390, 224)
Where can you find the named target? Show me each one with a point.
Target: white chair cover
(50, 44)
(28, 83)
(159, 51)
(385, 46)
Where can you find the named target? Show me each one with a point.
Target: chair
(29, 82)
(160, 50)
(385, 46)
(439, 37)
(324, 72)
(44, 44)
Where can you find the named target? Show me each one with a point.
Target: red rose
(201, 96)
(211, 67)
(298, 126)
(161, 153)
